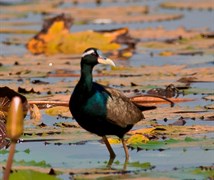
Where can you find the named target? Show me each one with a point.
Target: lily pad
(192, 4)
(58, 110)
(30, 174)
(55, 38)
(153, 145)
(172, 143)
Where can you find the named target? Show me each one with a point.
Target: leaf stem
(9, 161)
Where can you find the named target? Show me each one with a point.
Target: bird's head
(92, 56)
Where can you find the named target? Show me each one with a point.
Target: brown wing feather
(120, 110)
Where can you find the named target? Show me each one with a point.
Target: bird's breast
(91, 106)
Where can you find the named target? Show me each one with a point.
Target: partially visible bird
(99, 109)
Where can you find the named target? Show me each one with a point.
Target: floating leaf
(166, 53)
(35, 113)
(27, 151)
(55, 38)
(192, 4)
(147, 131)
(6, 95)
(206, 171)
(32, 163)
(58, 110)
(137, 164)
(114, 140)
(209, 106)
(30, 174)
(137, 139)
(4, 151)
(154, 145)
(145, 99)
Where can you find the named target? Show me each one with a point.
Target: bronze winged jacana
(102, 110)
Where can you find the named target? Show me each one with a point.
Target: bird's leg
(125, 149)
(112, 154)
(126, 152)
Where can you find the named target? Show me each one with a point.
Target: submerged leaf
(32, 163)
(137, 164)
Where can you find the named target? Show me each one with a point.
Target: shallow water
(93, 154)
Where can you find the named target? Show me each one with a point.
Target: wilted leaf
(58, 110)
(209, 106)
(6, 95)
(192, 4)
(179, 122)
(35, 113)
(3, 142)
(170, 91)
(144, 131)
(210, 97)
(166, 53)
(145, 99)
(137, 139)
(55, 38)
(25, 91)
(176, 131)
(114, 140)
(4, 106)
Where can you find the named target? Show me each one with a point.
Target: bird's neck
(86, 79)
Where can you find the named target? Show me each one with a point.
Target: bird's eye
(94, 54)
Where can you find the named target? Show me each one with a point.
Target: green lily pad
(32, 163)
(173, 143)
(138, 164)
(29, 174)
(154, 145)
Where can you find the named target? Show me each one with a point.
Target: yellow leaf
(54, 111)
(137, 138)
(148, 131)
(166, 53)
(114, 140)
(57, 38)
(35, 114)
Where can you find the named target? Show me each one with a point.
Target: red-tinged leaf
(147, 99)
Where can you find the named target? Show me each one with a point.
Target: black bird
(99, 109)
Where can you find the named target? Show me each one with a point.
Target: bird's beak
(103, 60)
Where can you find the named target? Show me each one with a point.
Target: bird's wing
(120, 110)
